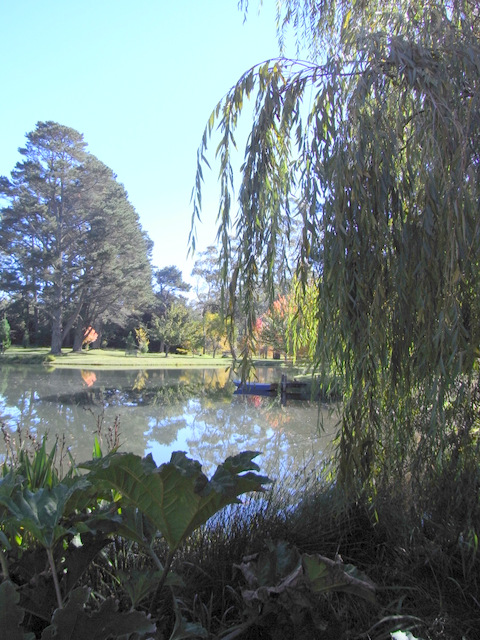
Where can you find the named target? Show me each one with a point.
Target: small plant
(284, 587)
(130, 345)
(26, 339)
(142, 339)
(5, 339)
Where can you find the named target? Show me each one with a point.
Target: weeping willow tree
(372, 143)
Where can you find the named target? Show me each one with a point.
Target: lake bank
(117, 359)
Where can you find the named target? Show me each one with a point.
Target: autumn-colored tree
(289, 324)
(90, 336)
(274, 326)
(215, 332)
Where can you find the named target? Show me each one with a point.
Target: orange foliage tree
(89, 336)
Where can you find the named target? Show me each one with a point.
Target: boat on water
(292, 389)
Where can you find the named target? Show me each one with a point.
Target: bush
(68, 523)
(5, 339)
(26, 339)
(142, 339)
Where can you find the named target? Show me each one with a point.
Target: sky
(139, 79)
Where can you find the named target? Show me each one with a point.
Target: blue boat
(292, 389)
(255, 388)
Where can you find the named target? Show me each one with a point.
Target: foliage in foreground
(52, 529)
(55, 531)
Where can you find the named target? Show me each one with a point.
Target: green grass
(114, 358)
(117, 359)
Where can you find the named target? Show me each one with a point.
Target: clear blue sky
(139, 78)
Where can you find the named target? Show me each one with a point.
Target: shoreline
(117, 359)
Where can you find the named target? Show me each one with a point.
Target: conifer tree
(73, 242)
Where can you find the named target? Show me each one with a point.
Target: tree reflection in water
(160, 411)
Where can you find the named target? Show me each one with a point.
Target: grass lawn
(114, 358)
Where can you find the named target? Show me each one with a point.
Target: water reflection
(160, 411)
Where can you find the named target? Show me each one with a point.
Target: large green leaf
(139, 583)
(78, 556)
(134, 526)
(11, 615)
(272, 565)
(40, 512)
(74, 623)
(8, 484)
(177, 497)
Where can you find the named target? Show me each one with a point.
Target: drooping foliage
(372, 143)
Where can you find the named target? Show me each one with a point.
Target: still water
(160, 411)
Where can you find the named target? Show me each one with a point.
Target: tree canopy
(372, 143)
(169, 287)
(72, 242)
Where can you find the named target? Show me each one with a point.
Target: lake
(158, 411)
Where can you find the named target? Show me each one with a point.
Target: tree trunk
(99, 328)
(231, 345)
(78, 338)
(75, 317)
(56, 343)
(36, 323)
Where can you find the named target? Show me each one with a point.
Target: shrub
(5, 339)
(142, 339)
(66, 523)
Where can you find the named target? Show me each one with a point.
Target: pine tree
(74, 243)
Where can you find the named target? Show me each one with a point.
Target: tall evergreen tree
(69, 232)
